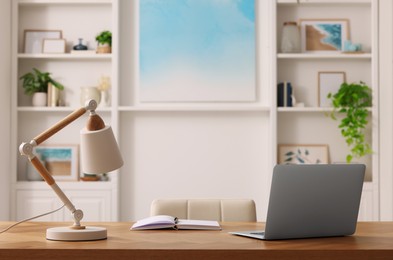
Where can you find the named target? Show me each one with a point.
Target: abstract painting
(323, 35)
(197, 50)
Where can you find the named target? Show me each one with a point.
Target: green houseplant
(352, 101)
(37, 81)
(36, 84)
(104, 40)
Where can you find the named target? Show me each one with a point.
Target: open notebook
(164, 221)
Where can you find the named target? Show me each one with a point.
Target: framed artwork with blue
(197, 51)
(323, 35)
(62, 161)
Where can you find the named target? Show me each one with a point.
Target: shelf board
(323, 1)
(308, 109)
(334, 1)
(64, 56)
(63, 2)
(55, 109)
(69, 185)
(180, 108)
(324, 56)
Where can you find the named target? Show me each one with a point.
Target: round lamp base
(70, 234)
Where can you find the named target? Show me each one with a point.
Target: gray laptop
(312, 201)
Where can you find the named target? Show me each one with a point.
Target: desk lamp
(99, 154)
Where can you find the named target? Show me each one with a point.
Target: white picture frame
(53, 46)
(62, 161)
(33, 39)
(303, 154)
(329, 82)
(323, 35)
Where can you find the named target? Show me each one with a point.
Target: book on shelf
(169, 222)
(53, 96)
(284, 94)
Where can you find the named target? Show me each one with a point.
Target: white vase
(105, 99)
(39, 99)
(290, 40)
(88, 93)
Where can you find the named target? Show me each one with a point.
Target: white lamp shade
(99, 151)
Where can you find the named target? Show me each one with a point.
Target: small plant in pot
(104, 40)
(36, 84)
(352, 101)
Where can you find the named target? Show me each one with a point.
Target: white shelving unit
(77, 19)
(310, 125)
(171, 149)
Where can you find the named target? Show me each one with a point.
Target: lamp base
(70, 234)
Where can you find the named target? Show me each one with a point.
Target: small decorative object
(329, 82)
(80, 46)
(284, 94)
(104, 40)
(104, 177)
(323, 35)
(90, 177)
(88, 93)
(37, 82)
(303, 154)
(352, 101)
(290, 40)
(104, 86)
(295, 103)
(352, 47)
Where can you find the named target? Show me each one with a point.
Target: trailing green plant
(104, 37)
(37, 81)
(352, 101)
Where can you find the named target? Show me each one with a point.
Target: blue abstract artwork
(197, 50)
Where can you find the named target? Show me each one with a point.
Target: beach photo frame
(62, 161)
(323, 35)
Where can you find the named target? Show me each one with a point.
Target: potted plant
(36, 84)
(352, 101)
(104, 40)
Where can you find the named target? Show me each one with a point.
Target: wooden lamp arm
(95, 123)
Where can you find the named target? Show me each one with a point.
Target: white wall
(208, 154)
(386, 109)
(5, 106)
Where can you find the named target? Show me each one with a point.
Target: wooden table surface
(372, 240)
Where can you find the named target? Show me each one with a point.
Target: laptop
(312, 200)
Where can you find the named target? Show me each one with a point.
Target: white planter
(39, 99)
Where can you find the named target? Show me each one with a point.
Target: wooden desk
(373, 240)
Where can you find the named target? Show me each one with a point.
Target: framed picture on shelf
(54, 46)
(303, 154)
(323, 35)
(62, 161)
(33, 39)
(329, 82)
